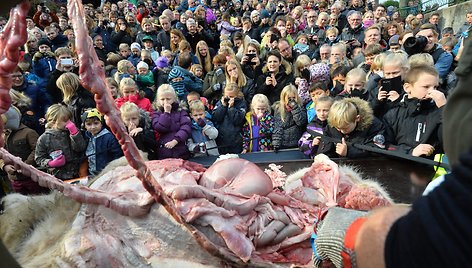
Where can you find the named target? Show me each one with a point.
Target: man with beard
(286, 51)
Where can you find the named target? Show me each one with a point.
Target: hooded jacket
(101, 150)
(229, 121)
(283, 77)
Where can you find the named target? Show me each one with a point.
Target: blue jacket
(40, 99)
(43, 66)
(101, 150)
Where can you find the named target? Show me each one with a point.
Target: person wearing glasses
(353, 34)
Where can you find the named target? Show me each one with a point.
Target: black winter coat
(283, 77)
(229, 122)
(414, 122)
(287, 133)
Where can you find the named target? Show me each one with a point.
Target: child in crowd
(172, 123)
(138, 124)
(124, 69)
(338, 78)
(102, 146)
(61, 147)
(414, 127)
(318, 72)
(301, 45)
(129, 92)
(146, 57)
(332, 36)
(135, 56)
(124, 50)
(355, 85)
(192, 96)
(289, 119)
(228, 115)
(145, 81)
(310, 140)
(317, 91)
(351, 120)
(259, 125)
(202, 141)
(113, 86)
(44, 61)
(301, 72)
(197, 70)
(20, 141)
(148, 44)
(161, 71)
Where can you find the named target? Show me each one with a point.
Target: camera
(269, 73)
(414, 45)
(249, 59)
(67, 62)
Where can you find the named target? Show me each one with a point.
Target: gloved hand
(58, 162)
(37, 56)
(335, 236)
(216, 87)
(292, 104)
(196, 149)
(73, 130)
(133, 98)
(201, 123)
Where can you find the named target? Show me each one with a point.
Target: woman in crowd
(175, 37)
(250, 62)
(121, 33)
(235, 75)
(204, 56)
(276, 74)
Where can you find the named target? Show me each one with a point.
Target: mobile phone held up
(67, 62)
(249, 59)
(395, 84)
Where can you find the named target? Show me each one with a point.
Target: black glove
(201, 122)
(196, 149)
(292, 104)
(216, 87)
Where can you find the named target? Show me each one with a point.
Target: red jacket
(142, 103)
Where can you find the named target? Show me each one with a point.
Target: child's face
(128, 91)
(394, 48)
(125, 52)
(290, 96)
(322, 110)
(148, 44)
(423, 85)
(94, 126)
(113, 90)
(166, 98)
(130, 119)
(60, 123)
(340, 78)
(198, 72)
(332, 37)
(347, 128)
(44, 48)
(231, 94)
(142, 71)
(303, 41)
(191, 98)
(197, 114)
(448, 48)
(354, 84)
(318, 93)
(259, 109)
(136, 52)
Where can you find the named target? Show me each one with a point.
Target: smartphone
(67, 62)
(392, 84)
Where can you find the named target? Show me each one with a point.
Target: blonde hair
(127, 82)
(233, 87)
(129, 108)
(164, 89)
(284, 97)
(166, 53)
(20, 100)
(57, 112)
(195, 67)
(241, 77)
(300, 62)
(260, 99)
(68, 83)
(357, 73)
(346, 111)
(196, 105)
(207, 60)
(123, 46)
(332, 30)
(183, 45)
(378, 62)
(421, 59)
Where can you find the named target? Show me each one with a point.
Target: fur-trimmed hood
(285, 66)
(365, 112)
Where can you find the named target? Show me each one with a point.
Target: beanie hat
(174, 73)
(264, 14)
(142, 64)
(255, 13)
(162, 62)
(394, 40)
(12, 118)
(136, 45)
(44, 41)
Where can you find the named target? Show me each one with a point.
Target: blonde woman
(234, 74)
(204, 56)
(77, 98)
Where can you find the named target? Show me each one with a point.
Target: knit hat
(44, 41)
(394, 40)
(174, 73)
(142, 64)
(162, 62)
(136, 45)
(264, 14)
(255, 13)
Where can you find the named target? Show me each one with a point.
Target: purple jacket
(174, 125)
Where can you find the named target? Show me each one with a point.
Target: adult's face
(335, 10)
(432, 38)
(379, 12)
(203, 50)
(372, 37)
(233, 71)
(51, 33)
(469, 18)
(175, 39)
(355, 20)
(30, 23)
(434, 19)
(325, 52)
(273, 64)
(311, 18)
(392, 30)
(165, 24)
(322, 21)
(285, 49)
(192, 27)
(17, 79)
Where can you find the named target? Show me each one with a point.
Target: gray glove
(330, 234)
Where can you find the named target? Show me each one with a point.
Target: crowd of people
(196, 78)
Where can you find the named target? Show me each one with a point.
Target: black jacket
(283, 77)
(414, 122)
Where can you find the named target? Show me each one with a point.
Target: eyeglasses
(311, 17)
